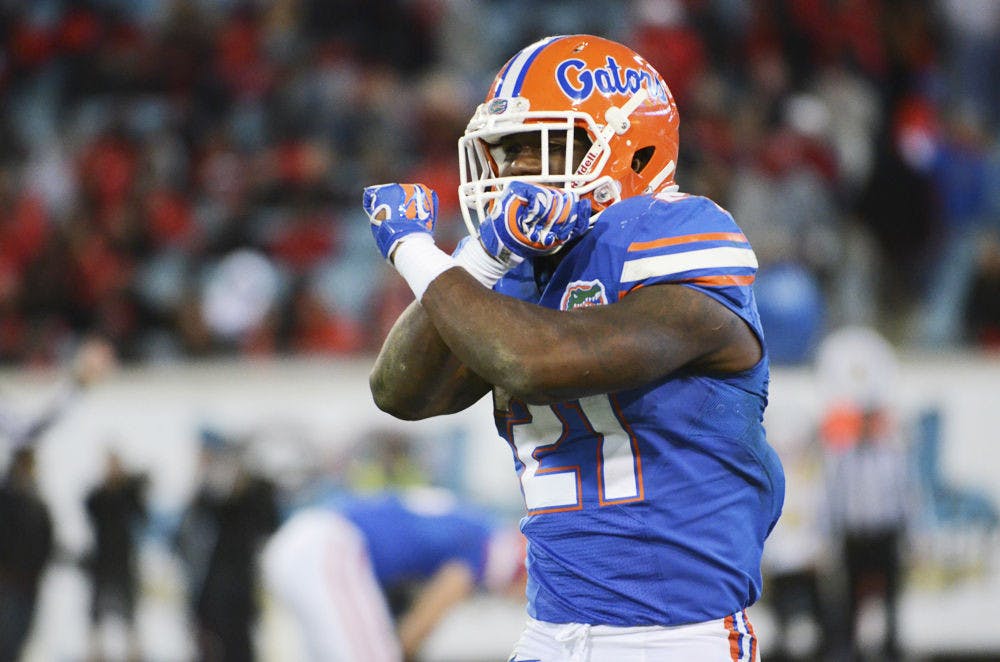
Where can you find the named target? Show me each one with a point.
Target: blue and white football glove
(531, 220)
(398, 210)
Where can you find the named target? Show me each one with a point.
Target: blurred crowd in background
(183, 177)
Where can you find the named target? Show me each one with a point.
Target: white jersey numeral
(558, 488)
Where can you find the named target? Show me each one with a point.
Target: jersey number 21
(538, 431)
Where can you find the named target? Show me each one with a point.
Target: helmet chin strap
(655, 182)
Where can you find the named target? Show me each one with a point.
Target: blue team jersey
(411, 535)
(651, 505)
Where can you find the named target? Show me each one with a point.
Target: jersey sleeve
(691, 241)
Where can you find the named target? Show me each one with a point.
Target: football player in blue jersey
(612, 319)
(334, 563)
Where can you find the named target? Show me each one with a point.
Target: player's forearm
(449, 586)
(541, 355)
(529, 351)
(476, 324)
(416, 375)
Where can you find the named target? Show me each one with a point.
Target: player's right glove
(531, 220)
(399, 211)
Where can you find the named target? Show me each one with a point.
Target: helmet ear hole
(641, 158)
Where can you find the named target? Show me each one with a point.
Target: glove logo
(416, 204)
(583, 294)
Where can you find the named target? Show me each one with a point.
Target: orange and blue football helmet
(566, 84)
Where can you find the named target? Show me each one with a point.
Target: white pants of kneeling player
(727, 639)
(317, 566)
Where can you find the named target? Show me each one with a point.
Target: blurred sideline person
(116, 508)
(612, 319)
(93, 360)
(347, 566)
(870, 493)
(219, 540)
(26, 528)
(385, 459)
(798, 559)
(26, 546)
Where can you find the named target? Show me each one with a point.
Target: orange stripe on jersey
(734, 639)
(720, 280)
(711, 281)
(622, 293)
(687, 239)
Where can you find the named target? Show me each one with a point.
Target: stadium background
(183, 178)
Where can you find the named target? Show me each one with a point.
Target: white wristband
(487, 270)
(419, 261)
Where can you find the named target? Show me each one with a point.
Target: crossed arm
(461, 339)
(445, 352)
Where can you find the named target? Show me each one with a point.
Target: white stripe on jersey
(675, 263)
(513, 72)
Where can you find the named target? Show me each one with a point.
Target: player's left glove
(399, 210)
(531, 220)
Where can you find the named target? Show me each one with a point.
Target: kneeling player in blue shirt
(335, 563)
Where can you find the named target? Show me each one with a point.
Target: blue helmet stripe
(513, 77)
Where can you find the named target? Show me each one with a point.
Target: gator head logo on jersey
(583, 294)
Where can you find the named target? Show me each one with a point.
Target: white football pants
(317, 565)
(729, 639)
